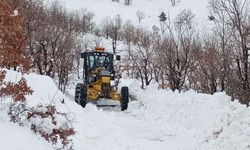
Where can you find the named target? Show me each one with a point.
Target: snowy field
(157, 120)
(151, 8)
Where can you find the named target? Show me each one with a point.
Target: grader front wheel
(125, 98)
(81, 94)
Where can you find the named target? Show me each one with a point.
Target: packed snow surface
(158, 119)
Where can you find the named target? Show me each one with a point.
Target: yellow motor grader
(98, 73)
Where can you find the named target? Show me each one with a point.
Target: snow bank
(190, 120)
(14, 137)
(94, 128)
(159, 119)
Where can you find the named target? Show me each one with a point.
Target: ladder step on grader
(98, 74)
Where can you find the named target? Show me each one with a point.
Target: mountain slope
(151, 8)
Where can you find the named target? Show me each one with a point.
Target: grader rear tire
(125, 98)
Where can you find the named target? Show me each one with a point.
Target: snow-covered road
(174, 121)
(161, 119)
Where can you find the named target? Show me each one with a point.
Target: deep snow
(15, 137)
(159, 119)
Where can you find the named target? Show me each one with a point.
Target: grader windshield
(94, 60)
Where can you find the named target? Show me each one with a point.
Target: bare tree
(53, 36)
(84, 20)
(175, 50)
(128, 2)
(111, 28)
(207, 71)
(142, 58)
(105, 27)
(140, 15)
(235, 15)
(128, 35)
(173, 2)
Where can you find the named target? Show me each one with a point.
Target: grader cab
(98, 75)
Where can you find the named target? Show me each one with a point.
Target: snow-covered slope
(159, 119)
(15, 137)
(151, 8)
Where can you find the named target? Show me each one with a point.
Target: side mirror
(118, 57)
(82, 55)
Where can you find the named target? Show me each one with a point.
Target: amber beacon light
(99, 49)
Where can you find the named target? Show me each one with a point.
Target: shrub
(55, 127)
